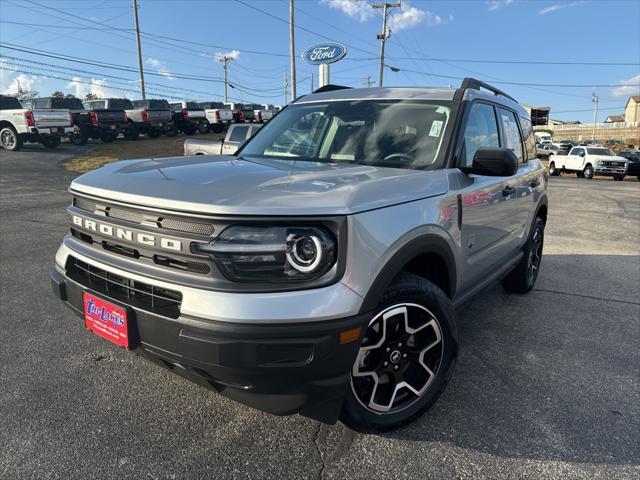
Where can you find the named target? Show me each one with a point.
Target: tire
(81, 137)
(217, 127)
(522, 278)
(579, 174)
(51, 142)
(108, 137)
(619, 179)
(588, 172)
(553, 171)
(131, 132)
(638, 177)
(154, 133)
(171, 131)
(409, 303)
(189, 130)
(10, 140)
(204, 129)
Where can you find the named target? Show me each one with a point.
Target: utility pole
(286, 86)
(368, 81)
(595, 100)
(225, 59)
(292, 52)
(386, 33)
(135, 17)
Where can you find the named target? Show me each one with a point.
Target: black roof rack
(469, 82)
(330, 88)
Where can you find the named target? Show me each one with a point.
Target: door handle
(507, 192)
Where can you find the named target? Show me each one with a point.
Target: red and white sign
(106, 320)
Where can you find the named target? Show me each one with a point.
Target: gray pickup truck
(236, 136)
(318, 270)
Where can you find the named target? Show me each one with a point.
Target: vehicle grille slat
(140, 295)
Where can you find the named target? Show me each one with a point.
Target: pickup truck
(96, 124)
(264, 112)
(319, 269)
(588, 161)
(241, 113)
(19, 125)
(236, 136)
(189, 118)
(218, 114)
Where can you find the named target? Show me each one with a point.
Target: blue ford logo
(324, 53)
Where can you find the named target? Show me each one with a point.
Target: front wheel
(10, 140)
(406, 359)
(522, 278)
(588, 172)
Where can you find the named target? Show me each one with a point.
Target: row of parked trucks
(46, 120)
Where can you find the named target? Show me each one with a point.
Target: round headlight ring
(294, 255)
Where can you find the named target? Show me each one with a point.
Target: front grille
(160, 301)
(140, 216)
(608, 163)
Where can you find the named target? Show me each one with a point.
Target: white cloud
(628, 87)
(409, 17)
(558, 6)
(361, 10)
(496, 4)
(233, 54)
(81, 87)
(160, 67)
(10, 83)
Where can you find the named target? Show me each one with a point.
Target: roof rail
(330, 88)
(469, 82)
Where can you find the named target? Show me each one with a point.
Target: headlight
(272, 254)
(598, 163)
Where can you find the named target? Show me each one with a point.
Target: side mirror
(495, 162)
(582, 154)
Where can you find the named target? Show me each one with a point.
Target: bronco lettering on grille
(128, 235)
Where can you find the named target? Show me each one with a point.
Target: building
(614, 119)
(632, 110)
(539, 115)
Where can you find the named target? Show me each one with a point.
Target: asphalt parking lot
(547, 385)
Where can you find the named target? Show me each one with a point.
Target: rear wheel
(217, 128)
(189, 130)
(204, 128)
(553, 171)
(51, 141)
(522, 278)
(79, 136)
(406, 358)
(10, 140)
(154, 133)
(131, 131)
(171, 131)
(588, 172)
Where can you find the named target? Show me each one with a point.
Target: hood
(608, 158)
(231, 186)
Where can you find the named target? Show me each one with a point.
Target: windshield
(120, 104)
(370, 132)
(600, 151)
(68, 103)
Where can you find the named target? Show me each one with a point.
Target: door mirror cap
(494, 162)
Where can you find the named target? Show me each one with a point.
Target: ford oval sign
(324, 53)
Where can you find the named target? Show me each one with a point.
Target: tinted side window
(11, 103)
(238, 134)
(481, 131)
(511, 133)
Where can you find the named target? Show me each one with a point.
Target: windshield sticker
(436, 127)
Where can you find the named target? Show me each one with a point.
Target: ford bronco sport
(318, 269)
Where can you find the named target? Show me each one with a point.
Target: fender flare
(426, 243)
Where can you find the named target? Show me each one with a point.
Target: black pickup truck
(87, 122)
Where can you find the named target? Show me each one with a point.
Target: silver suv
(317, 270)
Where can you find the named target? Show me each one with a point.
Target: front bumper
(610, 171)
(276, 367)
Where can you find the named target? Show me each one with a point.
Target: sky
(432, 43)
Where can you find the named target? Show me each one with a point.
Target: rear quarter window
(10, 103)
(238, 134)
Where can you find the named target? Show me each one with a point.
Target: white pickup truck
(218, 115)
(237, 134)
(589, 161)
(19, 125)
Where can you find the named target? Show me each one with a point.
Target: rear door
(487, 226)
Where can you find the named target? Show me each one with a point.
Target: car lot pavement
(547, 384)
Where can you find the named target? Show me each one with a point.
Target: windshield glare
(393, 134)
(600, 151)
